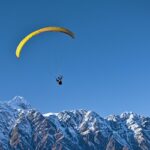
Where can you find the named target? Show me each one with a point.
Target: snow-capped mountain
(25, 128)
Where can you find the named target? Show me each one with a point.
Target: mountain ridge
(23, 127)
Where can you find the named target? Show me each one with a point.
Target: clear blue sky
(106, 67)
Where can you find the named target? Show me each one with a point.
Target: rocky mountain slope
(24, 128)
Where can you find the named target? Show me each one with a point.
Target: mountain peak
(19, 102)
(129, 115)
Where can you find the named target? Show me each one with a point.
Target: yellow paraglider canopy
(46, 29)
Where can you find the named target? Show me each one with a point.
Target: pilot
(59, 79)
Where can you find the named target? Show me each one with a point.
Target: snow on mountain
(18, 102)
(24, 128)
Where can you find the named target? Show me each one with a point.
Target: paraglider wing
(46, 29)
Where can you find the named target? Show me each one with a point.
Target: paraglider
(39, 31)
(59, 79)
(46, 29)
